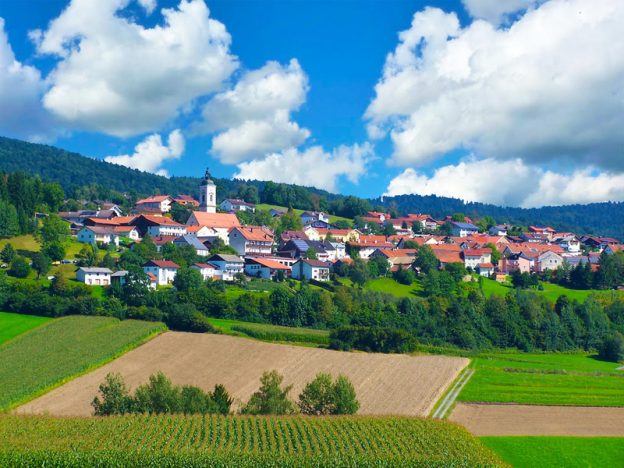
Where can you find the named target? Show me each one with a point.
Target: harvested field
(385, 383)
(533, 420)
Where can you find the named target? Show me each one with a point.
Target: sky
(511, 102)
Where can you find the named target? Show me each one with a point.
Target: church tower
(207, 194)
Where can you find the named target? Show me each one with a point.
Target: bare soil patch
(534, 420)
(386, 384)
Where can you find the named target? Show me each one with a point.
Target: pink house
(519, 261)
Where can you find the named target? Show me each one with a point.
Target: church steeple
(207, 194)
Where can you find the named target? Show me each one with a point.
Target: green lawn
(569, 452)
(332, 218)
(26, 242)
(388, 285)
(12, 325)
(271, 333)
(61, 349)
(551, 291)
(547, 379)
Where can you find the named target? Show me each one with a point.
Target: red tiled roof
(272, 264)
(162, 220)
(477, 252)
(216, 220)
(486, 265)
(255, 233)
(447, 256)
(153, 199)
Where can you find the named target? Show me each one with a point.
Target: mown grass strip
(12, 325)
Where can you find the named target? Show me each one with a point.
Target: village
(319, 248)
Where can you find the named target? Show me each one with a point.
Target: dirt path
(385, 383)
(451, 396)
(529, 420)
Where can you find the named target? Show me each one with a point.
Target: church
(206, 216)
(207, 194)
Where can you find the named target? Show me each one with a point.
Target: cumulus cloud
(150, 154)
(21, 88)
(496, 11)
(311, 167)
(510, 183)
(118, 77)
(547, 88)
(253, 117)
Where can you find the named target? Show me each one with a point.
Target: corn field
(167, 440)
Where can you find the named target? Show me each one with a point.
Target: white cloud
(118, 77)
(254, 116)
(150, 154)
(149, 5)
(510, 183)
(549, 87)
(21, 88)
(496, 11)
(311, 167)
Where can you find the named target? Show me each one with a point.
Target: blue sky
(474, 100)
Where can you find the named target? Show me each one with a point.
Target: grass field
(63, 348)
(271, 333)
(538, 452)
(12, 325)
(332, 218)
(389, 286)
(551, 291)
(547, 379)
(239, 441)
(26, 243)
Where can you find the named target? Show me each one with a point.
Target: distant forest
(74, 171)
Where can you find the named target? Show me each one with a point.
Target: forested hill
(72, 171)
(605, 219)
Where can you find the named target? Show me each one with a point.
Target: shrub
(115, 397)
(612, 348)
(159, 395)
(19, 267)
(271, 398)
(321, 396)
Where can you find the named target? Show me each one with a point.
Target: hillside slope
(73, 170)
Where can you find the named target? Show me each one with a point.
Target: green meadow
(569, 452)
(545, 379)
(12, 325)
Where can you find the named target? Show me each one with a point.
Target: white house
(251, 240)
(158, 226)
(164, 271)
(340, 250)
(548, 261)
(498, 230)
(93, 276)
(474, 257)
(230, 265)
(156, 203)
(207, 270)
(98, 234)
(310, 269)
(264, 268)
(193, 241)
(235, 204)
(312, 216)
(571, 244)
(463, 229)
(312, 233)
(220, 223)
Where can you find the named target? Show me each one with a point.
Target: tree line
(322, 396)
